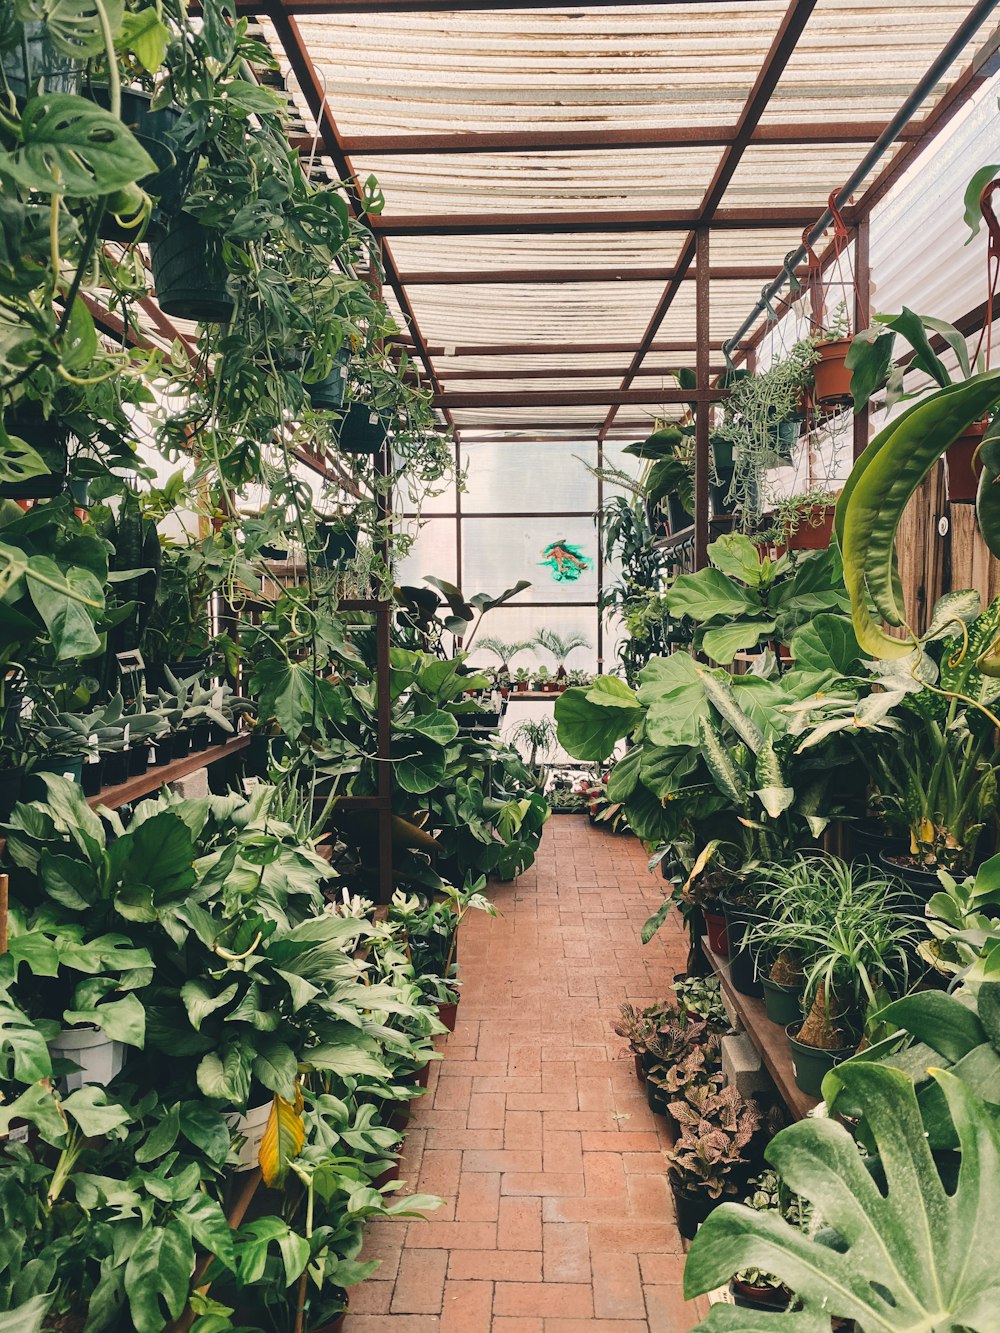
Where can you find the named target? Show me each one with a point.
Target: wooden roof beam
(540, 223)
(591, 140)
(470, 398)
(484, 277)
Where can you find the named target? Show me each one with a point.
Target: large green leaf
(710, 594)
(69, 608)
(71, 146)
(157, 1276)
(909, 1260)
(827, 643)
(74, 27)
(672, 690)
(591, 722)
(723, 643)
(31, 1054)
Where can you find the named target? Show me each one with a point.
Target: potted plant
(505, 652)
(522, 680)
(753, 1288)
(859, 953)
(711, 1153)
(560, 647)
(804, 522)
(832, 382)
(537, 736)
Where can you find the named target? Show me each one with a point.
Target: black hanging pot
(784, 435)
(50, 439)
(340, 544)
(189, 278)
(47, 67)
(327, 395)
(362, 431)
(678, 516)
(719, 492)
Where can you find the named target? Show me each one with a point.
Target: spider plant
(804, 893)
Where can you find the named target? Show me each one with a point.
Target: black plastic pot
(921, 883)
(362, 430)
(782, 1003)
(742, 962)
(190, 280)
(200, 733)
(719, 491)
(655, 1098)
(691, 1209)
(868, 842)
(784, 435)
(138, 759)
(163, 751)
(327, 395)
(182, 743)
(340, 544)
(678, 516)
(218, 735)
(10, 790)
(810, 1063)
(34, 787)
(51, 440)
(115, 767)
(93, 777)
(262, 752)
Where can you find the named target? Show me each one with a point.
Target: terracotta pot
(814, 532)
(831, 378)
(718, 937)
(390, 1174)
(448, 1014)
(962, 469)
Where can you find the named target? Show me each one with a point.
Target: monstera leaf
(911, 1258)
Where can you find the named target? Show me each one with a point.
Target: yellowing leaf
(283, 1139)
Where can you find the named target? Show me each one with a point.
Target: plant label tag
(68, 777)
(373, 418)
(19, 1134)
(93, 757)
(217, 698)
(128, 732)
(343, 372)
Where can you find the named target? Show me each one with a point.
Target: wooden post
(702, 376)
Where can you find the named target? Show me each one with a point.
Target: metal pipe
(963, 34)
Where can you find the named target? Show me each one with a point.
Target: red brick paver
(534, 1131)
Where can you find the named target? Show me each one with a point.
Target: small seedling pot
(189, 282)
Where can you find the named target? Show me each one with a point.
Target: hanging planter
(251, 1126)
(154, 130)
(784, 436)
(189, 280)
(814, 531)
(677, 515)
(50, 440)
(47, 67)
(962, 465)
(363, 430)
(327, 395)
(832, 379)
(339, 543)
(98, 1058)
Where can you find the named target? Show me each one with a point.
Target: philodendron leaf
(283, 1139)
(910, 1259)
(71, 146)
(31, 1055)
(29, 1317)
(18, 461)
(90, 1108)
(74, 27)
(158, 1275)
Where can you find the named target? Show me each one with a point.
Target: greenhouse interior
(500, 691)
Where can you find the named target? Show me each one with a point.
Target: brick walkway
(557, 1217)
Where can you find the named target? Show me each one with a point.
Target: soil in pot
(921, 881)
(190, 280)
(812, 1063)
(962, 466)
(831, 378)
(362, 430)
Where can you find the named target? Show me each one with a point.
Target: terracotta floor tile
(535, 1131)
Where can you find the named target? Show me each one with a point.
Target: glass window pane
(433, 553)
(558, 557)
(524, 476)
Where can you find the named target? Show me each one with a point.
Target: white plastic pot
(251, 1126)
(98, 1057)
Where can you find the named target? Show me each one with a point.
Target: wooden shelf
(531, 696)
(123, 793)
(717, 525)
(767, 1037)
